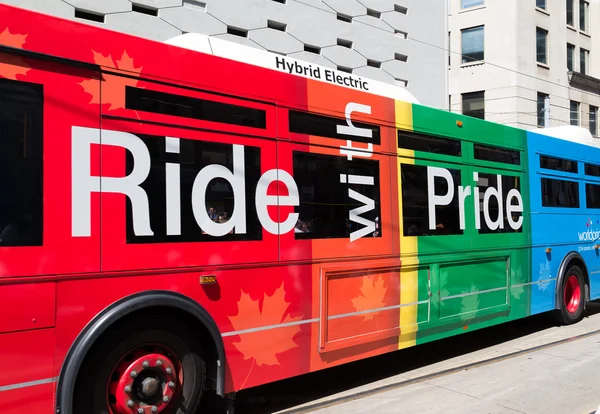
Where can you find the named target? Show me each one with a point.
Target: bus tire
(143, 363)
(571, 296)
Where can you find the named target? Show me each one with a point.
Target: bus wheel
(146, 366)
(571, 296)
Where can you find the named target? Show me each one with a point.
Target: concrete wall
(372, 33)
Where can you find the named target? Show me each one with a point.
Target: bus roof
(269, 60)
(571, 133)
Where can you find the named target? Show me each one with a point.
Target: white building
(509, 55)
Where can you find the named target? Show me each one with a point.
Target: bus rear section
(565, 197)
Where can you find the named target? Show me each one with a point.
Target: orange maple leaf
(264, 345)
(371, 296)
(113, 87)
(11, 66)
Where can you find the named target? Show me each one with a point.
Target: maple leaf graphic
(371, 297)
(264, 346)
(11, 66)
(113, 87)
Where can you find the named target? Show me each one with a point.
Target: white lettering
(437, 199)
(263, 201)
(236, 179)
(84, 183)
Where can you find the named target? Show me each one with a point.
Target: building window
(570, 13)
(574, 109)
(594, 120)
(541, 45)
(584, 61)
(473, 104)
(583, 15)
(570, 57)
(472, 44)
(541, 103)
(541, 4)
(471, 3)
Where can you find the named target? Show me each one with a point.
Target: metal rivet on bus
(154, 409)
(168, 370)
(133, 374)
(145, 364)
(141, 410)
(127, 388)
(158, 363)
(171, 384)
(166, 398)
(130, 403)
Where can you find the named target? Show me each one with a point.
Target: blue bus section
(565, 215)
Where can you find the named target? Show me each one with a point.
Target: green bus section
(477, 274)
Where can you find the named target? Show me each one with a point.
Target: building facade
(401, 42)
(508, 56)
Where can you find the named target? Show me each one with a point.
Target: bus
(193, 217)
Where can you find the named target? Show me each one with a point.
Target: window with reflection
(415, 203)
(21, 163)
(497, 206)
(220, 200)
(332, 190)
(560, 193)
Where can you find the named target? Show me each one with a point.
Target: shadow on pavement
(291, 392)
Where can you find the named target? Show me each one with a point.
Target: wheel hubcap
(145, 381)
(572, 294)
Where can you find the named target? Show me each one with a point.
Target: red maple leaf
(11, 66)
(371, 296)
(264, 345)
(113, 86)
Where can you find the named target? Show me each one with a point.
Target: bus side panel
(561, 219)
(27, 365)
(40, 102)
(480, 270)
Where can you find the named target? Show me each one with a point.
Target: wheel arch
(572, 258)
(120, 311)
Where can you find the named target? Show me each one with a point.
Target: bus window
(324, 126)
(325, 202)
(415, 202)
(559, 164)
(21, 189)
(188, 107)
(219, 197)
(508, 183)
(560, 193)
(592, 195)
(496, 154)
(429, 143)
(591, 169)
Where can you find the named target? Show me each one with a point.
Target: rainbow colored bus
(177, 222)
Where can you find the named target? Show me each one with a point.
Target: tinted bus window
(429, 143)
(495, 154)
(21, 176)
(508, 183)
(176, 105)
(559, 164)
(324, 126)
(591, 169)
(415, 202)
(592, 196)
(326, 202)
(560, 193)
(219, 197)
